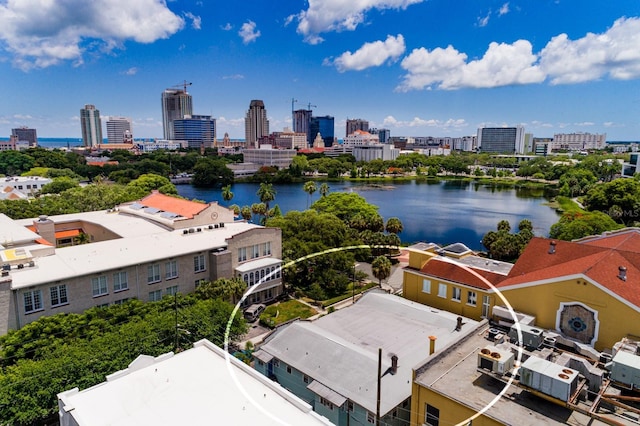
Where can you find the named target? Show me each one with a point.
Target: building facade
(501, 140)
(578, 141)
(266, 155)
(197, 130)
(325, 126)
(256, 124)
(119, 130)
(354, 124)
(27, 135)
(91, 126)
(302, 123)
(175, 105)
(147, 249)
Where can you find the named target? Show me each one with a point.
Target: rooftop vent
(394, 364)
(552, 247)
(622, 273)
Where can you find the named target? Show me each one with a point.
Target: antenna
(309, 106)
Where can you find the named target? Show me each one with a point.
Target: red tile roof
(597, 259)
(449, 270)
(184, 208)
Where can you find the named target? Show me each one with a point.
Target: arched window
(251, 279)
(246, 278)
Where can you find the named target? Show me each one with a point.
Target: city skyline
(415, 67)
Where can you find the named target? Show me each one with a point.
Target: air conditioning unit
(495, 359)
(222, 225)
(532, 337)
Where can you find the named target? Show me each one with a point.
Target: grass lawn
(285, 311)
(565, 205)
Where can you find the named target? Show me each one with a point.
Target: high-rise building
(25, 134)
(119, 130)
(256, 124)
(356, 124)
(301, 123)
(91, 126)
(325, 126)
(502, 140)
(383, 134)
(578, 141)
(176, 104)
(198, 130)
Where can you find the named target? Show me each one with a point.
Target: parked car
(253, 312)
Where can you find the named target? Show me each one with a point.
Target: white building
(91, 126)
(266, 155)
(27, 185)
(147, 249)
(200, 386)
(150, 146)
(578, 141)
(360, 137)
(119, 130)
(378, 151)
(501, 140)
(289, 139)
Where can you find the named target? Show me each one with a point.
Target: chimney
(622, 273)
(394, 364)
(552, 247)
(459, 324)
(432, 344)
(45, 228)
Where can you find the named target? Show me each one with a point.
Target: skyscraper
(26, 134)
(197, 130)
(118, 130)
(323, 125)
(502, 140)
(356, 124)
(256, 124)
(175, 105)
(91, 126)
(301, 123)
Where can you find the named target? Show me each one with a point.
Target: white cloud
(504, 9)
(233, 77)
(248, 32)
(484, 21)
(338, 15)
(371, 54)
(196, 21)
(131, 71)
(41, 33)
(417, 122)
(614, 53)
(227, 27)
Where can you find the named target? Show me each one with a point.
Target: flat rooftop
(197, 387)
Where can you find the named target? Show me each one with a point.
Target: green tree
(324, 189)
(503, 245)
(345, 205)
(246, 212)
(211, 172)
(59, 185)
(146, 183)
(381, 269)
(576, 225)
(394, 225)
(309, 187)
(266, 193)
(619, 198)
(227, 195)
(227, 289)
(235, 208)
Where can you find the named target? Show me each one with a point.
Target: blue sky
(416, 67)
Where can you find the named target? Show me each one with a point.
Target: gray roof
(340, 350)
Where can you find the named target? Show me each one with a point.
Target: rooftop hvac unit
(6, 267)
(222, 225)
(216, 226)
(185, 232)
(532, 337)
(551, 379)
(191, 230)
(5, 273)
(199, 229)
(211, 226)
(625, 369)
(496, 360)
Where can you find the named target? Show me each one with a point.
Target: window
(350, 406)
(326, 403)
(486, 304)
(154, 296)
(198, 263)
(246, 278)
(256, 251)
(171, 291)
(171, 270)
(153, 273)
(371, 418)
(242, 254)
(58, 295)
(120, 281)
(472, 298)
(99, 286)
(305, 378)
(276, 363)
(32, 301)
(432, 416)
(251, 279)
(426, 285)
(288, 369)
(266, 248)
(442, 290)
(121, 301)
(457, 293)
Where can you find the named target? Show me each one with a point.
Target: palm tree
(266, 193)
(381, 268)
(260, 209)
(309, 188)
(324, 190)
(235, 208)
(245, 212)
(227, 195)
(394, 225)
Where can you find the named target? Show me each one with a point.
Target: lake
(444, 212)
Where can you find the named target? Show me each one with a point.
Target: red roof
(453, 271)
(184, 208)
(596, 258)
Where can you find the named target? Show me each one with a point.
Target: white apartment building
(379, 151)
(289, 139)
(578, 141)
(266, 155)
(119, 130)
(360, 137)
(27, 185)
(156, 246)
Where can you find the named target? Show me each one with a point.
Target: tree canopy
(576, 225)
(507, 246)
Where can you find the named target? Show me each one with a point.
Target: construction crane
(309, 106)
(184, 85)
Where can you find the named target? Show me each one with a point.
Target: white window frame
(426, 286)
(59, 295)
(456, 294)
(266, 249)
(171, 291)
(255, 251)
(120, 281)
(486, 304)
(199, 264)
(242, 254)
(153, 273)
(371, 417)
(99, 286)
(472, 298)
(155, 295)
(33, 300)
(171, 270)
(442, 290)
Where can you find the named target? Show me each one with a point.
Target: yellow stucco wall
(616, 319)
(451, 412)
